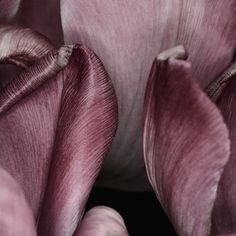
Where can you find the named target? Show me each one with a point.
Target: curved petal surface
(127, 35)
(16, 217)
(85, 129)
(186, 146)
(101, 221)
(224, 214)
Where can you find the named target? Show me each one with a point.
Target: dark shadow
(141, 212)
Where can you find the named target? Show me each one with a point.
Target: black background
(141, 211)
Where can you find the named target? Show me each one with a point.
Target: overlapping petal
(15, 215)
(186, 146)
(127, 35)
(102, 221)
(55, 130)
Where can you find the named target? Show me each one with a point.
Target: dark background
(141, 211)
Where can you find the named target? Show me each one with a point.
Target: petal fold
(186, 146)
(101, 221)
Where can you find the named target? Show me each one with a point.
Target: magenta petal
(127, 35)
(102, 221)
(85, 129)
(186, 146)
(224, 214)
(15, 215)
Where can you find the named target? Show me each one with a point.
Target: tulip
(187, 136)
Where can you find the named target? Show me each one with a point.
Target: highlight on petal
(85, 129)
(101, 221)
(224, 214)
(29, 80)
(21, 47)
(16, 217)
(186, 146)
(127, 36)
(8, 9)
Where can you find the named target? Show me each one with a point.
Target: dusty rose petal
(224, 214)
(8, 9)
(42, 16)
(186, 146)
(15, 215)
(20, 47)
(85, 129)
(127, 35)
(101, 221)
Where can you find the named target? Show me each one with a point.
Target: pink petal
(8, 9)
(15, 215)
(21, 47)
(127, 35)
(67, 123)
(86, 126)
(224, 214)
(186, 146)
(101, 221)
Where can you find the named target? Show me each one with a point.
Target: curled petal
(186, 146)
(86, 126)
(101, 221)
(224, 214)
(15, 215)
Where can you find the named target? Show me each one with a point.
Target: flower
(186, 141)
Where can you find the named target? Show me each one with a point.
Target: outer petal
(127, 35)
(224, 217)
(186, 146)
(101, 221)
(85, 129)
(15, 215)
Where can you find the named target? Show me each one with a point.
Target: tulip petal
(8, 9)
(127, 35)
(20, 47)
(224, 214)
(186, 146)
(15, 215)
(86, 126)
(42, 16)
(101, 221)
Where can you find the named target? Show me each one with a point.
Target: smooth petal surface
(127, 35)
(224, 215)
(42, 16)
(186, 146)
(16, 218)
(8, 9)
(86, 126)
(101, 221)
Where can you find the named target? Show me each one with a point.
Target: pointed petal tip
(180, 120)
